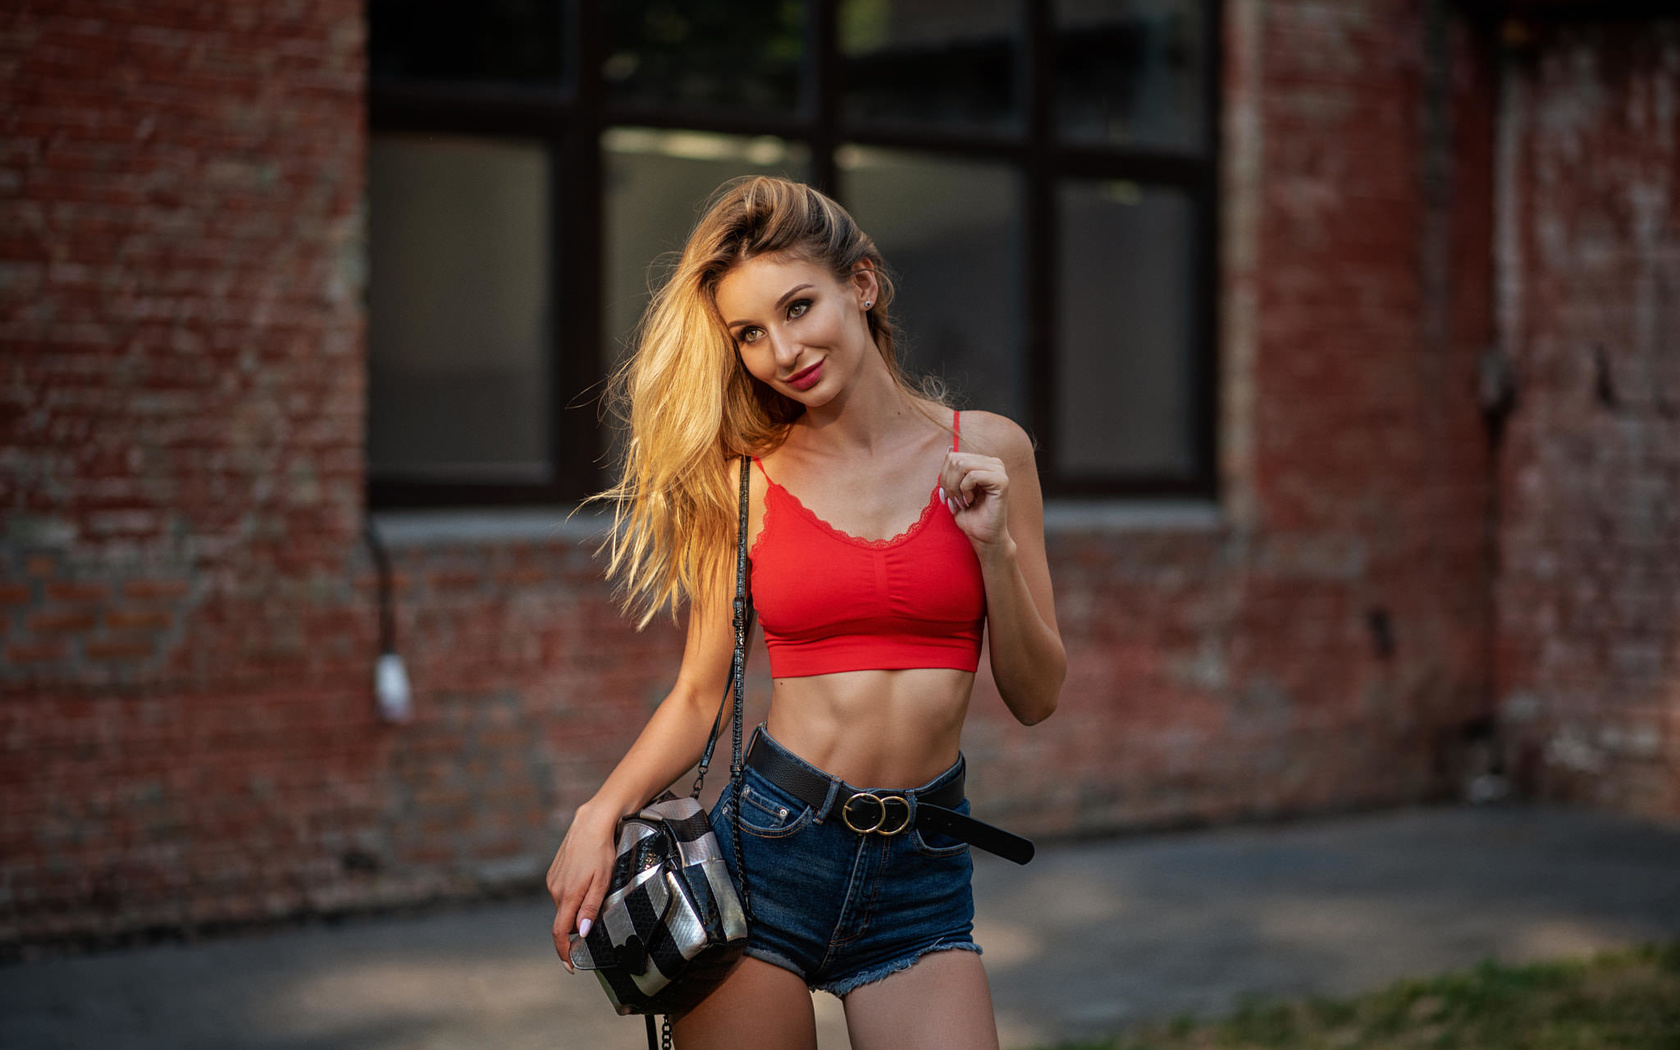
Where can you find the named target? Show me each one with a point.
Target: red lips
(806, 379)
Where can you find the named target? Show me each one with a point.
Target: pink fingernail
(583, 927)
(942, 492)
(951, 505)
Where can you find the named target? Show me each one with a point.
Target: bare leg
(758, 1006)
(943, 1002)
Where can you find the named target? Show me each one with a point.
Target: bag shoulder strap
(743, 622)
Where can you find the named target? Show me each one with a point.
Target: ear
(862, 280)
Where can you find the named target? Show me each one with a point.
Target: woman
(886, 531)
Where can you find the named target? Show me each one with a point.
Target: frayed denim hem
(775, 959)
(843, 988)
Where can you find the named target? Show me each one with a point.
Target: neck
(873, 412)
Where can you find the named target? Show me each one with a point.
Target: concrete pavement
(1087, 938)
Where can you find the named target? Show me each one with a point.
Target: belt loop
(828, 800)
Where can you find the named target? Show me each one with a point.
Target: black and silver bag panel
(675, 899)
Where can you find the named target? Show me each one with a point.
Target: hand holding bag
(672, 925)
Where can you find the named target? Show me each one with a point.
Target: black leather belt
(886, 812)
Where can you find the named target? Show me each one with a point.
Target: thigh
(943, 1001)
(759, 1005)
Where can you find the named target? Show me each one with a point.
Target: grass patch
(1624, 999)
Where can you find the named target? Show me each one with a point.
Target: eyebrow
(789, 294)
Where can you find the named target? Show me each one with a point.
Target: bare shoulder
(993, 435)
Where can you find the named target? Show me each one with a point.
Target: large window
(1040, 174)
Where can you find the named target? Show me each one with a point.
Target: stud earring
(867, 303)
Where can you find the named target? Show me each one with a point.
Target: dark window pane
(951, 232)
(492, 42)
(459, 327)
(705, 54)
(1123, 397)
(1132, 72)
(947, 62)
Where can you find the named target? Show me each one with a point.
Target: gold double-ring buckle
(879, 827)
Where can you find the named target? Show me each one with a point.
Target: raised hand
(976, 489)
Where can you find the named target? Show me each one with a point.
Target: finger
(950, 481)
(565, 924)
(961, 466)
(590, 910)
(946, 494)
(990, 477)
(553, 881)
(563, 942)
(949, 472)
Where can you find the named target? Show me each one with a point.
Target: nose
(785, 350)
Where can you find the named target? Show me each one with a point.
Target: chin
(812, 398)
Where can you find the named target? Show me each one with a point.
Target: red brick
(40, 652)
(64, 622)
(118, 649)
(79, 591)
(137, 620)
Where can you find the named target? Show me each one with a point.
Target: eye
(749, 334)
(798, 307)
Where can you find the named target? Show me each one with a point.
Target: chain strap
(742, 621)
(743, 624)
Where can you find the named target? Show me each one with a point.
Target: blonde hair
(691, 406)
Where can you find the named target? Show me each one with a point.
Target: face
(798, 329)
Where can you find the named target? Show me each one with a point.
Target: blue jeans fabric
(836, 907)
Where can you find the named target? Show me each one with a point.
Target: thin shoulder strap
(956, 430)
(743, 624)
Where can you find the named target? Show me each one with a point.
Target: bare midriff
(894, 729)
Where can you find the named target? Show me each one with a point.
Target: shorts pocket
(934, 844)
(769, 816)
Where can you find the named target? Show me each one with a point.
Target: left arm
(999, 506)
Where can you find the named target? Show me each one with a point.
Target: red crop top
(830, 601)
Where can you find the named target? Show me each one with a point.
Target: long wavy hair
(689, 404)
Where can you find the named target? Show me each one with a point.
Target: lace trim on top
(841, 534)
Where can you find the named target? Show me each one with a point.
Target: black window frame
(571, 120)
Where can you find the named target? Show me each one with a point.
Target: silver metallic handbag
(672, 925)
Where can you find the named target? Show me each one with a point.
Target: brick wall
(185, 648)
(1589, 301)
(189, 608)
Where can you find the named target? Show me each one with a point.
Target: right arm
(668, 747)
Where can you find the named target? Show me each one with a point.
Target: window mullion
(1039, 233)
(1205, 338)
(577, 287)
(824, 102)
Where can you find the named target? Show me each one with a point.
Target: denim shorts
(838, 908)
